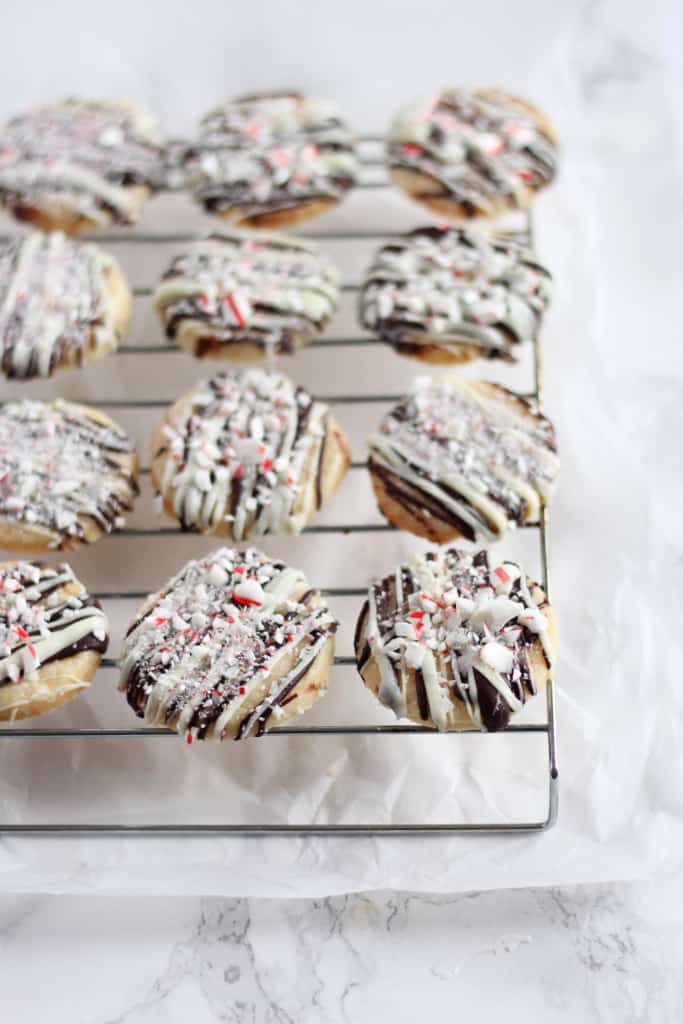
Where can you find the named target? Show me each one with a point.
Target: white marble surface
(608, 953)
(604, 954)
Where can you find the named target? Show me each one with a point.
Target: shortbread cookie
(448, 295)
(472, 153)
(459, 458)
(245, 454)
(52, 636)
(455, 641)
(62, 304)
(245, 296)
(233, 645)
(80, 164)
(67, 475)
(271, 160)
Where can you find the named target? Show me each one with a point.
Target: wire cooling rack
(144, 240)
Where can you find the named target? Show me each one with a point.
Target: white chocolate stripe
(274, 284)
(396, 458)
(245, 426)
(266, 152)
(480, 145)
(35, 630)
(271, 701)
(82, 156)
(79, 183)
(448, 436)
(451, 286)
(217, 634)
(89, 620)
(54, 302)
(61, 464)
(454, 630)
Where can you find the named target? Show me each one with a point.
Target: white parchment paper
(613, 379)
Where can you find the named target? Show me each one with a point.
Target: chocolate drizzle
(244, 454)
(222, 650)
(269, 152)
(60, 467)
(83, 155)
(460, 291)
(54, 304)
(417, 503)
(421, 691)
(484, 148)
(451, 633)
(468, 454)
(256, 289)
(45, 617)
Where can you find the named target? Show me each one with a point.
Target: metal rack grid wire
(547, 728)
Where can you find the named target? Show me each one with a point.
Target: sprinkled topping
(222, 648)
(83, 155)
(59, 467)
(483, 147)
(249, 592)
(243, 454)
(467, 454)
(451, 287)
(469, 651)
(263, 153)
(261, 289)
(39, 623)
(54, 305)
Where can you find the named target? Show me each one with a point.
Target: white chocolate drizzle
(53, 304)
(451, 286)
(481, 146)
(261, 289)
(81, 154)
(469, 456)
(225, 628)
(262, 153)
(451, 629)
(248, 451)
(37, 626)
(59, 465)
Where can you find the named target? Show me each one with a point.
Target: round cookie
(52, 637)
(472, 153)
(459, 458)
(449, 295)
(234, 644)
(245, 454)
(456, 642)
(271, 160)
(62, 304)
(67, 475)
(246, 296)
(80, 164)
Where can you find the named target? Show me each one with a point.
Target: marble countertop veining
(608, 954)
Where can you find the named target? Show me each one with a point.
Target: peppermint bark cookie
(62, 304)
(67, 475)
(271, 160)
(472, 153)
(455, 641)
(246, 296)
(245, 454)
(449, 295)
(233, 645)
(52, 637)
(80, 164)
(460, 458)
